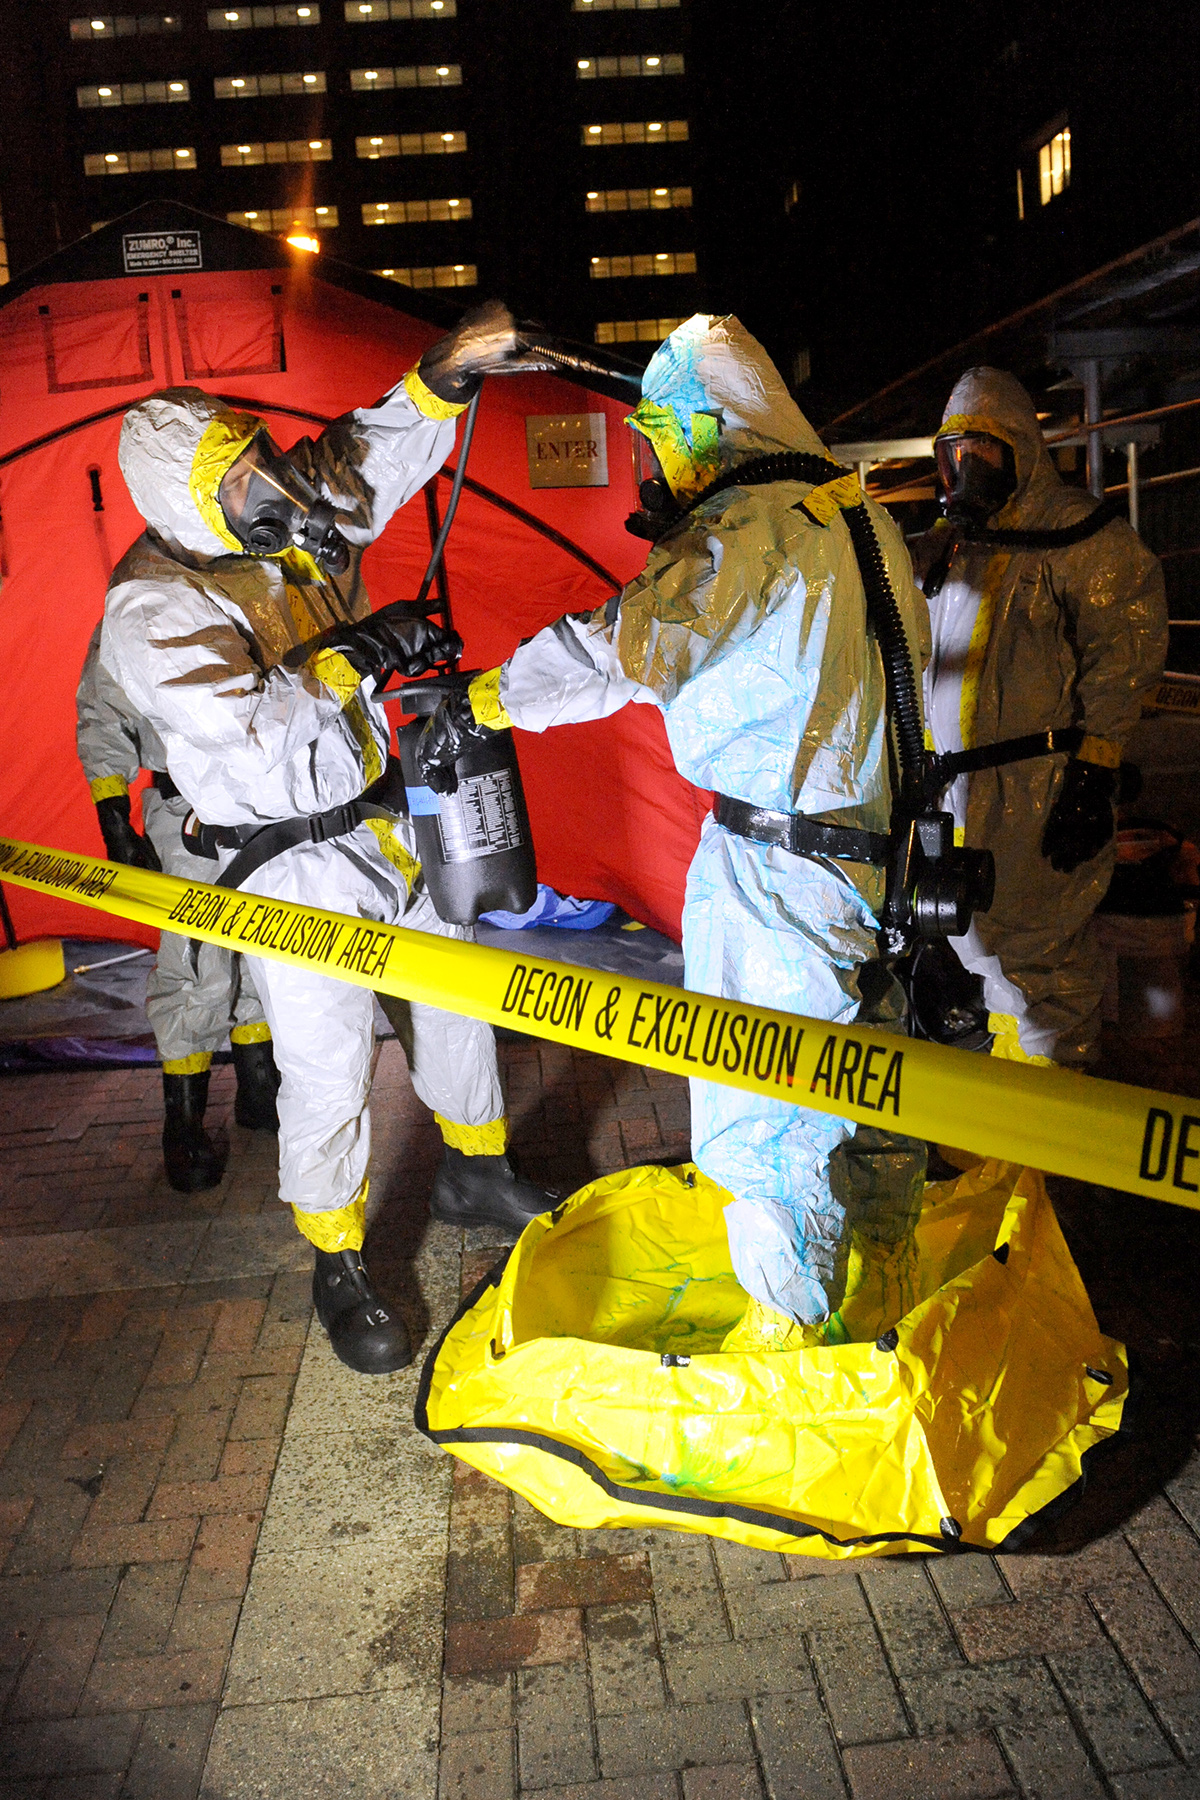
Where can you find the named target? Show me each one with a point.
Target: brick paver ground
(221, 1580)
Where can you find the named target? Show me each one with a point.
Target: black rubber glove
(383, 646)
(1081, 820)
(121, 841)
(484, 342)
(449, 731)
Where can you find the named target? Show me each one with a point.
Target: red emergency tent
(168, 295)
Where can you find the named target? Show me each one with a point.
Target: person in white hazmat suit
(748, 628)
(248, 554)
(198, 995)
(1047, 615)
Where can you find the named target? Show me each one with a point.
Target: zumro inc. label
(146, 251)
(484, 821)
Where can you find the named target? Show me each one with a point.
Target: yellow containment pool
(615, 1373)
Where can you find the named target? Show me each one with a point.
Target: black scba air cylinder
(475, 845)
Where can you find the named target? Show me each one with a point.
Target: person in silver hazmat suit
(748, 629)
(198, 995)
(248, 554)
(1048, 615)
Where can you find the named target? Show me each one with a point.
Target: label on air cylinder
(481, 819)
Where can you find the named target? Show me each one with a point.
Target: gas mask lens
(978, 474)
(654, 494)
(268, 505)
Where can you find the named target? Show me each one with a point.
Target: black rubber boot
(257, 1086)
(366, 1335)
(484, 1190)
(192, 1160)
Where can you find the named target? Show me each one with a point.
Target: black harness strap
(943, 769)
(258, 844)
(798, 834)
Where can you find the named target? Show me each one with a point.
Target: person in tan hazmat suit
(1048, 616)
(198, 995)
(248, 554)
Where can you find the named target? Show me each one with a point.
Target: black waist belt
(166, 787)
(943, 769)
(258, 844)
(800, 835)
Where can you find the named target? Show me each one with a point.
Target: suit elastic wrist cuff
(1102, 751)
(108, 787)
(427, 402)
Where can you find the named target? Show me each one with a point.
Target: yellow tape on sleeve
(108, 787)
(826, 502)
(1131, 1138)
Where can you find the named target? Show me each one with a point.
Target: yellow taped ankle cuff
(251, 1034)
(199, 1063)
(1007, 1042)
(342, 1228)
(475, 1140)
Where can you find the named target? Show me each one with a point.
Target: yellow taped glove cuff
(334, 672)
(108, 787)
(427, 402)
(1101, 751)
(486, 704)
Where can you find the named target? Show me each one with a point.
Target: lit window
(600, 68)
(3, 253)
(411, 143)
(256, 87)
(415, 212)
(374, 12)
(661, 262)
(134, 93)
(624, 5)
(287, 218)
(1054, 165)
(125, 25)
(659, 199)
(635, 331)
(448, 275)
(293, 150)
(251, 18)
(1020, 195)
(138, 162)
(634, 131)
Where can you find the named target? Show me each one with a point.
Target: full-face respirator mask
(270, 507)
(978, 474)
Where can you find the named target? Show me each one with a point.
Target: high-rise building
(552, 151)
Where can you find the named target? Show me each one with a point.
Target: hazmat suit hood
(174, 451)
(993, 401)
(712, 398)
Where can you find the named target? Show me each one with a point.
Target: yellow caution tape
(1124, 1137)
